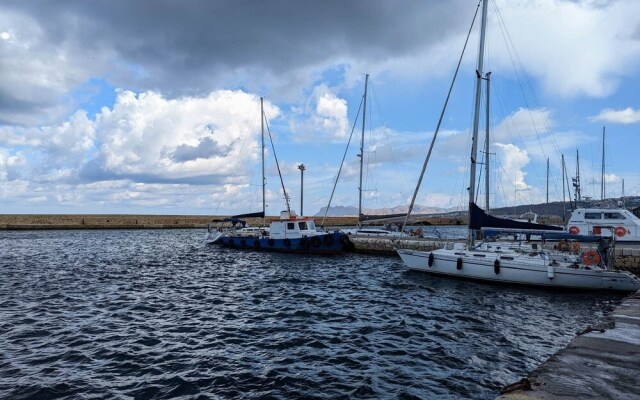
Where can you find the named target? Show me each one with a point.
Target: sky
(143, 107)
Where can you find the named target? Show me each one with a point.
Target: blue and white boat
(289, 234)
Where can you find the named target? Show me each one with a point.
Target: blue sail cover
(479, 219)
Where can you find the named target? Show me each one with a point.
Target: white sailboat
(578, 265)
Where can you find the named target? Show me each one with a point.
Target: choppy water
(159, 314)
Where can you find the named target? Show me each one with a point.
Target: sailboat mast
(361, 155)
(264, 181)
(486, 147)
(476, 117)
(602, 189)
(564, 204)
(578, 194)
(547, 184)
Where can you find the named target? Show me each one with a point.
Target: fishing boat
(290, 233)
(600, 221)
(606, 222)
(581, 262)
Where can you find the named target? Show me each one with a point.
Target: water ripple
(158, 314)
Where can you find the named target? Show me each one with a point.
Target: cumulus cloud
(323, 117)
(579, 47)
(625, 116)
(144, 142)
(148, 137)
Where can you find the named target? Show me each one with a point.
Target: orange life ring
(621, 231)
(574, 230)
(591, 257)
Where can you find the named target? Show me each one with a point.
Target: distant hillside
(342, 211)
(554, 208)
(558, 207)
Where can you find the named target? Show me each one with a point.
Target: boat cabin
(290, 226)
(605, 222)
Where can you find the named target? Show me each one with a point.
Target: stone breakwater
(113, 221)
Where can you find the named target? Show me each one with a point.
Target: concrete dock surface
(601, 363)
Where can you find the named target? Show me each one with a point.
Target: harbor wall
(119, 221)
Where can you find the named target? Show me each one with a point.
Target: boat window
(312, 226)
(302, 225)
(291, 226)
(588, 215)
(613, 216)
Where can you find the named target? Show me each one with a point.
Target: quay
(602, 362)
(123, 221)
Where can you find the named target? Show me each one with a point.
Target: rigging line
(355, 121)
(533, 124)
(400, 176)
(435, 134)
(510, 127)
(503, 192)
(286, 196)
(503, 28)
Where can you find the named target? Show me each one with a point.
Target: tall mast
(264, 181)
(486, 147)
(602, 187)
(576, 183)
(361, 155)
(476, 118)
(564, 204)
(547, 184)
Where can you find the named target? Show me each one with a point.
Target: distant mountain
(553, 208)
(349, 211)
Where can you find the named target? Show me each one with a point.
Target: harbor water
(160, 314)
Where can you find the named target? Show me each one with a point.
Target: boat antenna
(344, 156)
(435, 134)
(286, 196)
(361, 155)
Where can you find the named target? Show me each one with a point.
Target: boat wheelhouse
(618, 222)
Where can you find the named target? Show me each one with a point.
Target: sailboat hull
(522, 269)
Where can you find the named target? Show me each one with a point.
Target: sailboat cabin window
(302, 225)
(592, 215)
(611, 215)
(291, 226)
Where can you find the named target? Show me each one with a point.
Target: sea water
(161, 314)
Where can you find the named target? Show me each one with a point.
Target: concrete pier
(601, 363)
